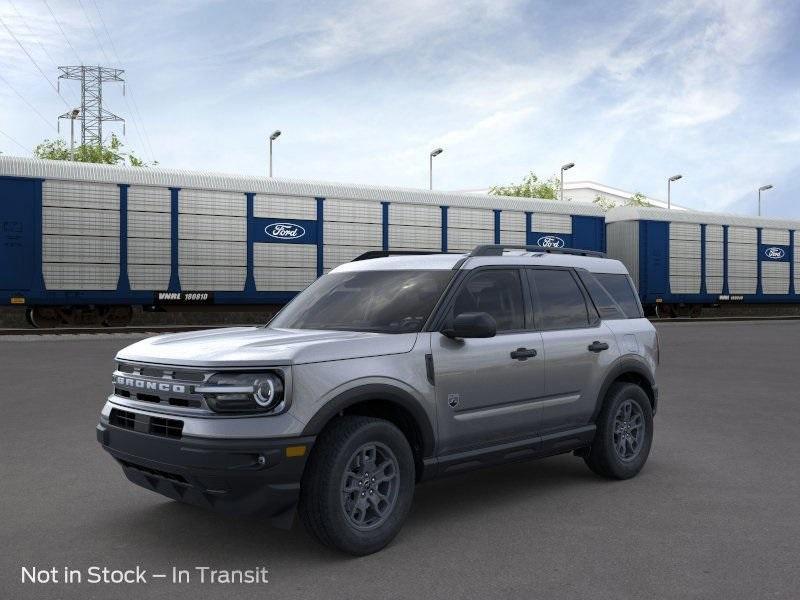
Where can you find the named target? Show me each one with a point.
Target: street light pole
(763, 188)
(275, 135)
(435, 152)
(669, 190)
(72, 116)
(565, 167)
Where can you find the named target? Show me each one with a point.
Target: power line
(13, 140)
(61, 29)
(32, 107)
(94, 32)
(137, 116)
(28, 54)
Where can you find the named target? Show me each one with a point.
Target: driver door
(484, 395)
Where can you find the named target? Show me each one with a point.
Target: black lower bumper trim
(239, 477)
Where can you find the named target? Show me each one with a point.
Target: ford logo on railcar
(775, 253)
(285, 231)
(550, 241)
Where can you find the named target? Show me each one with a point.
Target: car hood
(249, 346)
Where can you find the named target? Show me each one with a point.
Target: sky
(632, 92)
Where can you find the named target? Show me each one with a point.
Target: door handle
(523, 353)
(596, 346)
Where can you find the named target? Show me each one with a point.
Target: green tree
(606, 203)
(638, 199)
(530, 187)
(110, 154)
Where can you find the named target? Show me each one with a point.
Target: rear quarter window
(620, 289)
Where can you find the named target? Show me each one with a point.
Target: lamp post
(763, 188)
(565, 167)
(435, 152)
(669, 189)
(72, 116)
(275, 135)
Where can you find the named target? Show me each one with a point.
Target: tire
(611, 454)
(332, 502)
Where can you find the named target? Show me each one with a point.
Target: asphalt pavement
(714, 514)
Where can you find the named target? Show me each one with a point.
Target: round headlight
(268, 391)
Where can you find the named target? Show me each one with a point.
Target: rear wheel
(357, 488)
(624, 433)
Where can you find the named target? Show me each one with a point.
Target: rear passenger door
(578, 348)
(487, 389)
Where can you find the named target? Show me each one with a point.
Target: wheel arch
(629, 370)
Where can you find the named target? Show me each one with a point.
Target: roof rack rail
(386, 253)
(498, 249)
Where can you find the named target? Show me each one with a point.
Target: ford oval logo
(550, 241)
(775, 253)
(285, 231)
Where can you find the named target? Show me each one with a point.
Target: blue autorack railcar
(683, 260)
(88, 242)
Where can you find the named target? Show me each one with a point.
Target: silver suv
(383, 373)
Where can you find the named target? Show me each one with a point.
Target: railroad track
(180, 328)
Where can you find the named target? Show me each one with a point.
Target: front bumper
(239, 477)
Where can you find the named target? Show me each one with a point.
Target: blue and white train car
(683, 260)
(87, 242)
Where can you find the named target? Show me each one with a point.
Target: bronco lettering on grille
(144, 384)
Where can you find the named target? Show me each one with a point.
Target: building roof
(635, 213)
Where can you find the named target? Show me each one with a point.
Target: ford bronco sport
(383, 373)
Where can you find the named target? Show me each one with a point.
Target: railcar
(85, 243)
(682, 261)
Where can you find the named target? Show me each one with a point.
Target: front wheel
(624, 433)
(357, 488)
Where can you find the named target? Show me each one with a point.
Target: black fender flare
(623, 366)
(375, 391)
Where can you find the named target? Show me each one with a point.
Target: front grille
(160, 385)
(172, 428)
(122, 418)
(157, 472)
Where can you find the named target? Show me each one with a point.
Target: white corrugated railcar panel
(775, 236)
(714, 285)
(714, 233)
(775, 277)
(285, 207)
(550, 223)
(148, 251)
(285, 255)
(80, 249)
(467, 239)
(414, 237)
(512, 220)
(149, 277)
(353, 234)
(283, 280)
(470, 218)
(149, 225)
(333, 256)
(149, 199)
(742, 252)
(415, 214)
(742, 268)
(684, 248)
(715, 249)
(684, 231)
(714, 267)
(80, 276)
(207, 202)
(518, 238)
(194, 278)
(742, 235)
(203, 252)
(684, 266)
(80, 194)
(685, 284)
(211, 227)
(352, 211)
(78, 221)
(742, 285)
(622, 241)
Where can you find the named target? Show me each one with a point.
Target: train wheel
(696, 310)
(28, 316)
(43, 317)
(117, 316)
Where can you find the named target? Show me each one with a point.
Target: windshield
(378, 301)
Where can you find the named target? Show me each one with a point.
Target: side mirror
(472, 325)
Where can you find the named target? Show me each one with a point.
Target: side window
(494, 291)
(605, 304)
(621, 290)
(561, 303)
